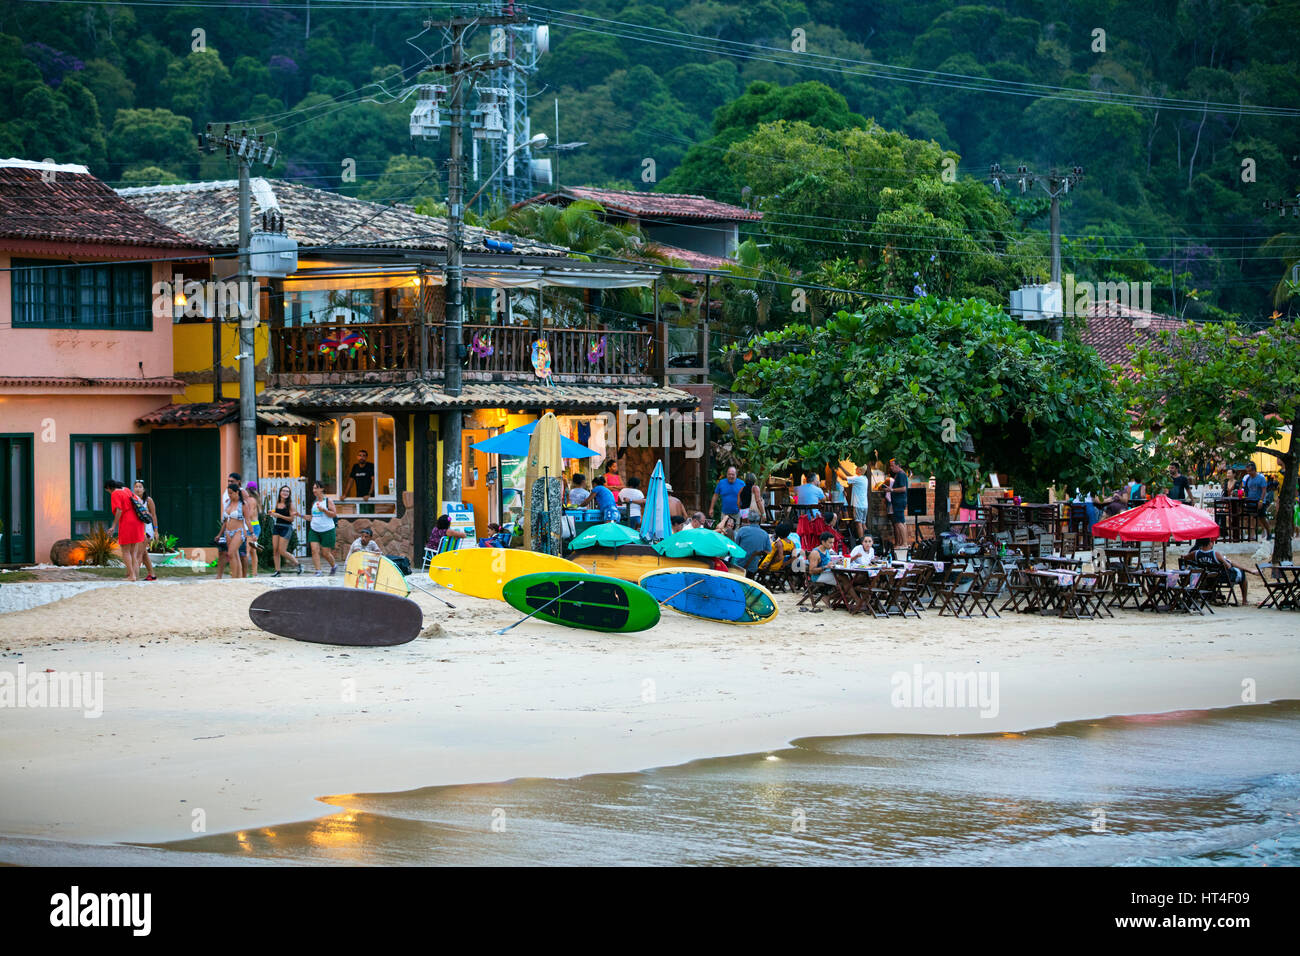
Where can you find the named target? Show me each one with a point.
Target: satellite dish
(543, 39)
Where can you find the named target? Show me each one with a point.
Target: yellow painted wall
(192, 352)
(1268, 464)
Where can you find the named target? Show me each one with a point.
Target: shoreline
(195, 718)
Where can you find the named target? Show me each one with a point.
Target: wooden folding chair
(1019, 593)
(954, 597)
(987, 592)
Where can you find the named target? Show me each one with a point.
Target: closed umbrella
(654, 517)
(611, 534)
(699, 543)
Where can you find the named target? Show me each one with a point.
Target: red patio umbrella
(1160, 519)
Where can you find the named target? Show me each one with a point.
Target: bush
(98, 547)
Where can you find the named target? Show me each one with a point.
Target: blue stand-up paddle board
(711, 595)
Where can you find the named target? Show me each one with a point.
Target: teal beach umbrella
(699, 543)
(611, 534)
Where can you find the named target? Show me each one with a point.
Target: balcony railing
(493, 353)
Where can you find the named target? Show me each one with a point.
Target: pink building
(82, 354)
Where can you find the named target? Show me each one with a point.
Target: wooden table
(1047, 589)
(1065, 564)
(1156, 587)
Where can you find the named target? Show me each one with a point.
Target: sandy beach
(202, 711)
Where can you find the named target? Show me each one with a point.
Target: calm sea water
(1203, 788)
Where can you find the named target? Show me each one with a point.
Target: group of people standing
(135, 524)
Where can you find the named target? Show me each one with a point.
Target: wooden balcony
(391, 352)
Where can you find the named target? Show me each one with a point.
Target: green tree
(150, 137)
(412, 180)
(916, 381)
(1216, 390)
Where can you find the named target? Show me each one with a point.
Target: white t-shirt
(578, 496)
(859, 558)
(320, 521)
(633, 498)
(859, 490)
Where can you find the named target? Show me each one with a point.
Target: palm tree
(1287, 248)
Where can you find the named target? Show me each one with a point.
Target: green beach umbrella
(611, 534)
(699, 543)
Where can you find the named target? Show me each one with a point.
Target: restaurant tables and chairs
(1020, 592)
(1161, 589)
(1061, 562)
(1282, 584)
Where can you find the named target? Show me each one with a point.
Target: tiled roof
(663, 205)
(316, 218)
(53, 203)
(425, 395)
(1111, 328)
(700, 260)
(224, 412)
(139, 384)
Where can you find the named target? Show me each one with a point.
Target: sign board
(462, 519)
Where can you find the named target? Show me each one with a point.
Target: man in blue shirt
(1254, 484)
(728, 493)
(756, 543)
(604, 499)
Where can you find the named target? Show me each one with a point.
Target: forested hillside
(835, 117)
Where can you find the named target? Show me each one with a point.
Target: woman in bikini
(234, 530)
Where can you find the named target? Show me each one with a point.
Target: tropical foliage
(1218, 391)
(951, 389)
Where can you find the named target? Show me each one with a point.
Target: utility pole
(459, 72)
(246, 149)
(1055, 184)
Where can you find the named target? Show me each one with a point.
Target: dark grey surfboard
(337, 615)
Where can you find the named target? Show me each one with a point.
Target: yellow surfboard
(374, 572)
(483, 572)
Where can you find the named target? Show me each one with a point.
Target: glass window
(124, 457)
(51, 293)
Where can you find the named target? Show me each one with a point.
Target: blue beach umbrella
(514, 444)
(654, 519)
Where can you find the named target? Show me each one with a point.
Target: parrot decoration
(350, 343)
(481, 346)
(596, 351)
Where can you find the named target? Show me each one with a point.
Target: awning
(573, 275)
(429, 396)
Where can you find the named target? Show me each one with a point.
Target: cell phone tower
(524, 173)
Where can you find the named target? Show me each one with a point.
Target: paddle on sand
(543, 607)
(432, 595)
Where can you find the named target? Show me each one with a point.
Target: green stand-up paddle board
(589, 601)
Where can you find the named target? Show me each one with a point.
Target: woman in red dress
(127, 525)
